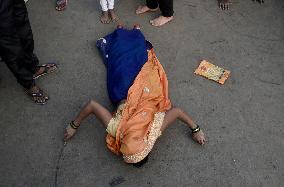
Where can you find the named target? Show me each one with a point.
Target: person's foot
(143, 9)
(161, 20)
(105, 17)
(199, 137)
(119, 26)
(260, 1)
(45, 69)
(37, 95)
(137, 26)
(224, 4)
(113, 16)
(61, 5)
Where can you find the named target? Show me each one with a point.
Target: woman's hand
(199, 137)
(69, 133)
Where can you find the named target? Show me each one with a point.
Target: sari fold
(134, 74)
(143, 113)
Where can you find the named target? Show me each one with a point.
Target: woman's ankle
(77, 122)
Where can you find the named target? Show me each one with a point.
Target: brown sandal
(48, 68)
(38, 96)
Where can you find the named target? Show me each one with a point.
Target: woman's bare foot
(224, 4)
(137, 26)
(143, 9)
(119, 26)
(105, 17)
(199, 137)
(161, 20)
(260, 1)
(113, 16)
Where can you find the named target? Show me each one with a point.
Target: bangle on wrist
(196, 129)
(72, 124)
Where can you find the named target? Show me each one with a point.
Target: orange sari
(143, 113)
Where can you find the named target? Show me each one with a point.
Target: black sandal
(48, 68)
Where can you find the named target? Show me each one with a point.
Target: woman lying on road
(138, 86)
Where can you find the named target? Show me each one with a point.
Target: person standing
(166, 7)
(17, 46)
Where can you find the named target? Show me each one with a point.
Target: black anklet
(72, 124)
(196, 129)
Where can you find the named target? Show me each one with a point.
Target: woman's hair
(142, 162)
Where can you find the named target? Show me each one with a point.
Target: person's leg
(91, 107)
(166, 7)
(151, 5)
(24, 32)
(112, 14)
(260, 1)
(105, 16)
(9, 52)
(12, 51)
(177, 113)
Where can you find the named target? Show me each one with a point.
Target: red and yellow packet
(212, 72)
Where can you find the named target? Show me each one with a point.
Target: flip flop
(61, 5)
(38, 94)
(48, 68)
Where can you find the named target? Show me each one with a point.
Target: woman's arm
(91, 107)
(177, 113)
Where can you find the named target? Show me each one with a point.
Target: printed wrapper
(212, 72)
